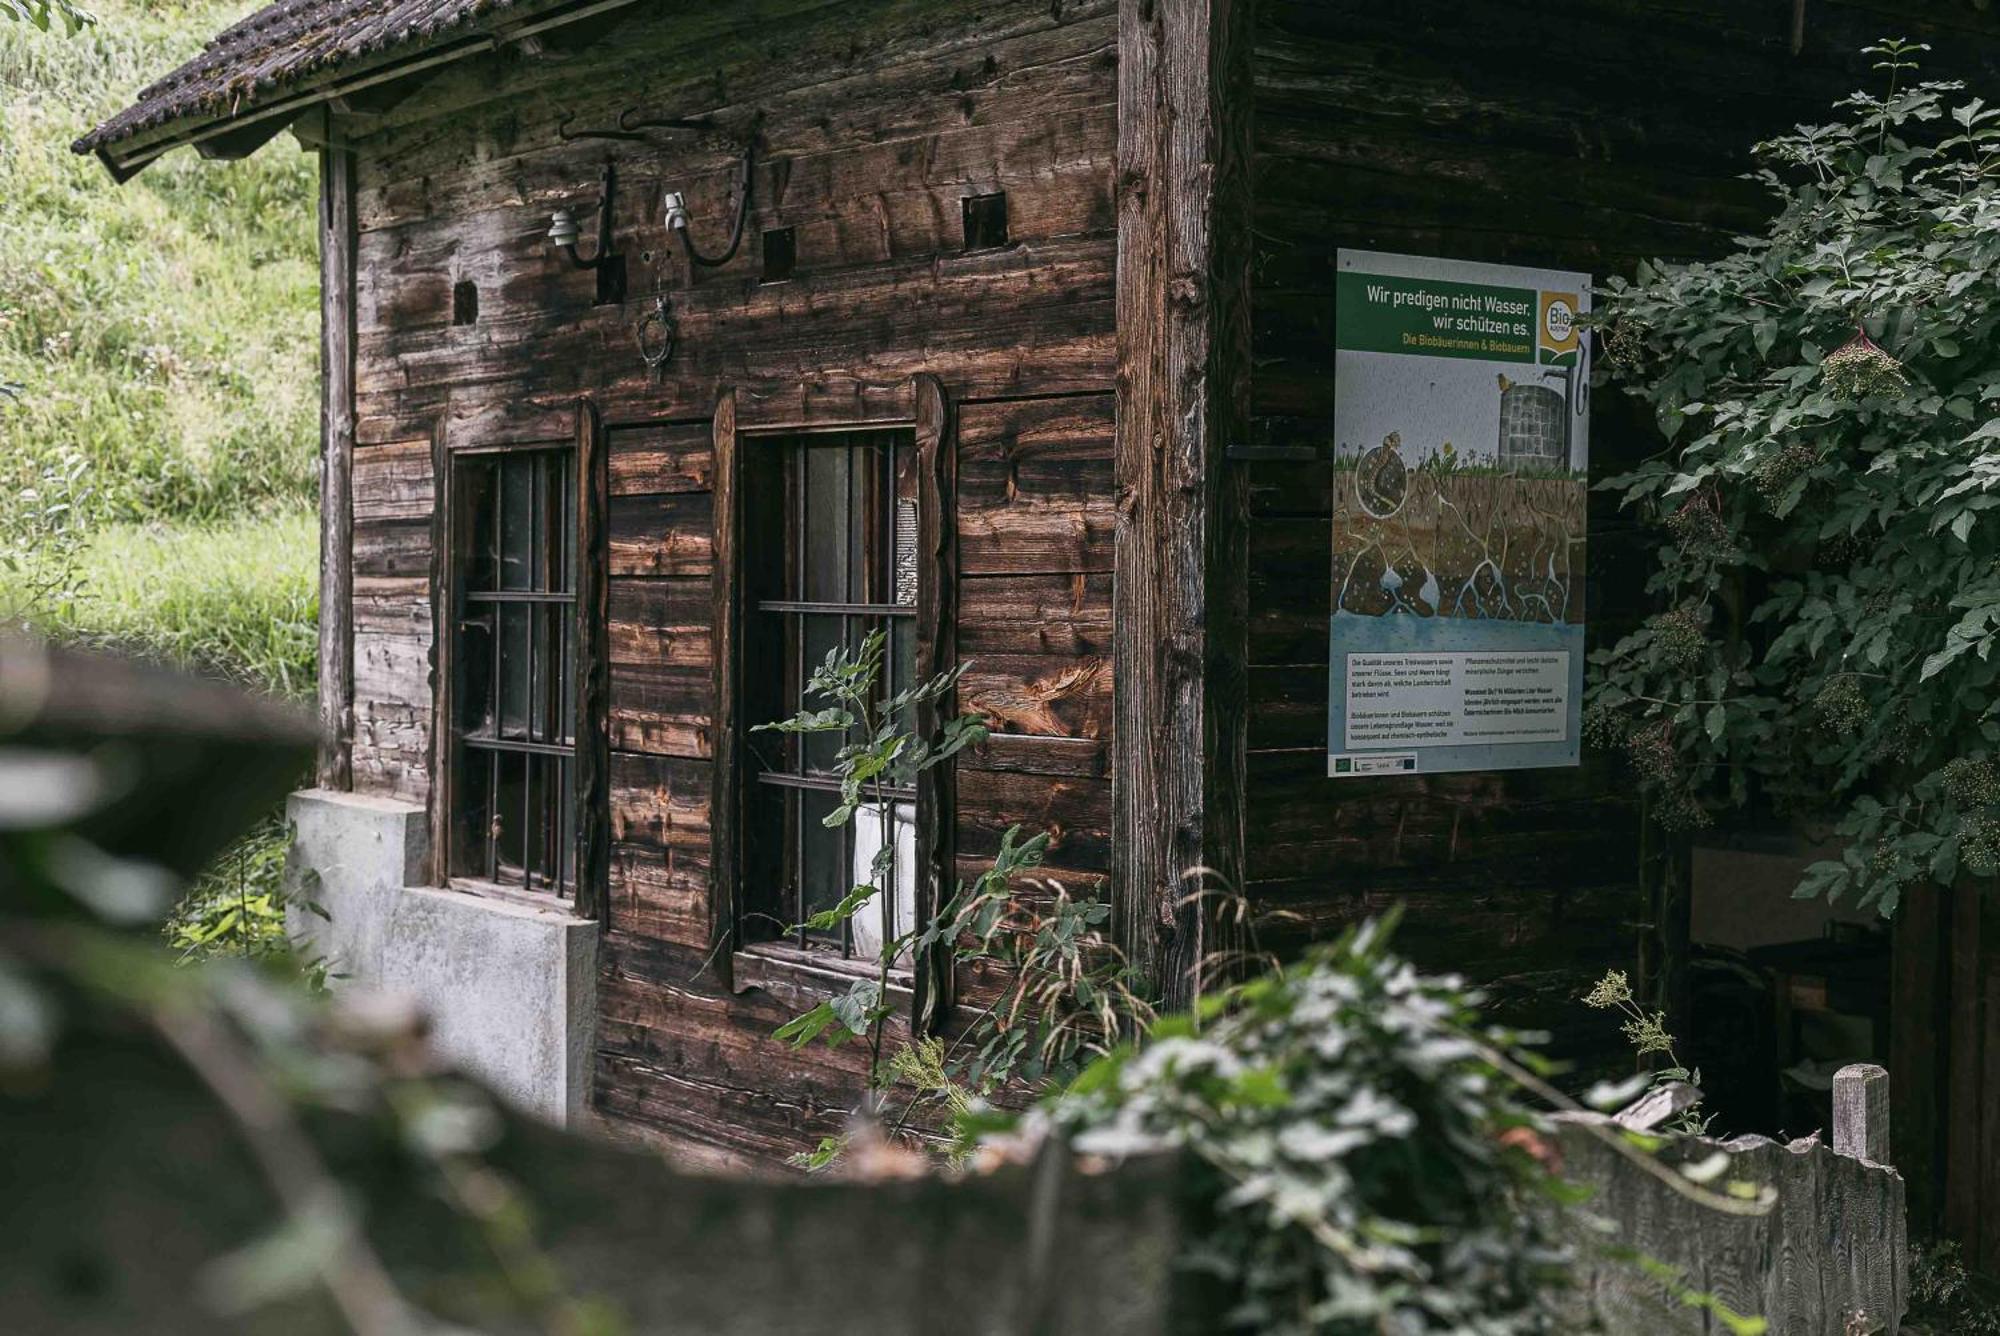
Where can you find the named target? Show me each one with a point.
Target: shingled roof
(294, 46)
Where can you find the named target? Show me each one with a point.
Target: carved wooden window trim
(738, 546)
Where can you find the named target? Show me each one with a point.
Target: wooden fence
(1829, 1259)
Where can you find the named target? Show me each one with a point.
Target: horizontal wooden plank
(671, 535)
(1086, 758)
(394, 605)
(661, 457)
(1052, 695)
(1074, 812)
(392, 549)
(1036, 491)
(668, 711)
(1550, 826)
(1034, 614)
(659, 847)
(661, 622)
(393, 481)
(992, 322)
(1004, 64)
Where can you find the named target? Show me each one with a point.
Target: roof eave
(125, 158)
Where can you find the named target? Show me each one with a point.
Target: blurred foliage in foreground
(158, 398)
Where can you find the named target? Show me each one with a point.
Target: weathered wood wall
(1497, 132)
(1484, 132)
(874, 121)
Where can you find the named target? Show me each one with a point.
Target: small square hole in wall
(986, 221)
(781, 254)
(464, 302)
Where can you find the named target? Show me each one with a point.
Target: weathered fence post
(1861, 1112)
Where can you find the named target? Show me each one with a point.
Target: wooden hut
(665, 342)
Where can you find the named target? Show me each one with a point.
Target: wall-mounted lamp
(609, 264)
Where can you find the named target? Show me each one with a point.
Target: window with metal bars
(840, 527)
(514, 696)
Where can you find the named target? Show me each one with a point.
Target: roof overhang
(254, 121)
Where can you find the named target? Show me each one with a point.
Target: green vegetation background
(158, 433)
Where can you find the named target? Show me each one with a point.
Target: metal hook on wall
(630, 129)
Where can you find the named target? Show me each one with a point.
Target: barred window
(514, 698)
(842, 564)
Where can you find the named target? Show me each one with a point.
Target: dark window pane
(479, 510)
(864, 571)
(826, 523)
(822, 635)
(535, 822)
(567, 822)
(475, 669)
(514, 668)
(902, 654)
(565, 684)
(566, 574)
(508, 842)
(540, 668)
(823, 855)
(517, 523)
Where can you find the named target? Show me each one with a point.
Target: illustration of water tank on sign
(1534, 426)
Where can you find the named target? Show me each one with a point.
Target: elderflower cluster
(1858, 369)
(1971, 782)
(1652, 752)
(1840, 706)
(1780, 470)
(1699, 526)
(1613, 990)
(1979, 844)
(1679, 635)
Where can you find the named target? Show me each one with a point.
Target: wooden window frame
(740, 420)
(589, 668)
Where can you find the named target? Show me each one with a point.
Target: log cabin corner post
(337, 242)
(1179, 597)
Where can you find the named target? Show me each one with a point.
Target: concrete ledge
(509, 988)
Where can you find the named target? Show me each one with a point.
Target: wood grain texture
(661, 457)
(1183, 371)
(338, 340)
(591, 667)
(1833, 1249)
(937, 654)
(660, 840)
(445, 529)
(726, 617)
(874, 126)
(1861, 1126)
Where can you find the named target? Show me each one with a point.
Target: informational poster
(1462, 424)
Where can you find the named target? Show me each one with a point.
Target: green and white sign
(1462, 420)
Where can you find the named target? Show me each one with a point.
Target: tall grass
(236, 600)
(165, 329)
(160, 342)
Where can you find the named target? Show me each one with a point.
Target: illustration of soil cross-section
(1444, 539)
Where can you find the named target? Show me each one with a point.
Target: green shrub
(1828, 544)
(1371, 1167)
